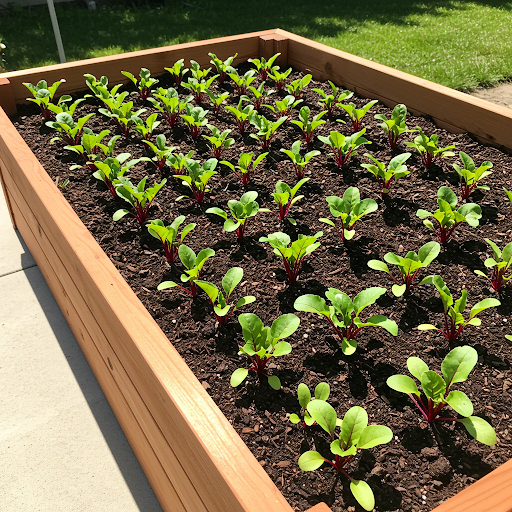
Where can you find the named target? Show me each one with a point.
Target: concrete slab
(61, 448)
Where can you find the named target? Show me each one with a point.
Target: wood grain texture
(320, 507)
(6, 195)
(6, 97)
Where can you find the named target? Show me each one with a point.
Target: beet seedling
(329, 100)
(395, 127)
(123, 115)
(170, 106)
(246, 167)
(43, 95)
(284, 107)
(198, 88)
(197, 178)
(112, 169)
(69, 131)
(297, 87)
(198, 73)
(91, 148)
(100, 91)
(266, 129)
(308, 124)
(178, 163)
(145, 129)
(259, 94)
(264, 67)
(144, 84)
(194, 118)
(355, 114)
(242, 82)
(222, 67)
(343, 314)
(178, 70)
(470, 176)
(455, 367)
(387, 177)
(500, 265)
(322, 392)
(217, 100)
(279, 78)
(342, 146)
(241, 114)
(299, 162)
(428, 148)
(285, 198)
(263, 343)
(160, 150)
(218, 140)
(454, 322)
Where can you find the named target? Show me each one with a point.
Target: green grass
(455, 43)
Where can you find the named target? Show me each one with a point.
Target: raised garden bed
(184, 443)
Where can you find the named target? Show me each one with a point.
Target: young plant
(344, 146)
(91, 148)
(217, 100)
(356, 114)
(69, 131)
(195, 118)
(222, 309)
(355, 435)
(308, 123)
(266, 129)
(62, 105)
(299, 162)
(447, 218)
(409, 265)
(139, 197)
(349, 209)
(144, 84)
(218, 140)
(454, 322)
(242, 82)
(169, 235)
(259, 94)
(509, 194)
(240, 211)
(241, 114)
(297, 87)
(100, 91)
(279, 78)
(198, 88)
(293, 255)
(500, 265)
(285, 198)
(43, 95)
(322, 392)
(179, 161)
(428, 148)
(193, 266)
(264, 67)
(455, 367)
(244, 170)
(387, 177)
(262, 343)
(112, 169)
(197, 178)
(222, 67)
(198, 73)
(343, 314)
(395, 127)
(145, 129)
(178, 71)
(284, 107)
(123, 115)
(170, 106)
(469, 176)
(329, 100)
(161, 152)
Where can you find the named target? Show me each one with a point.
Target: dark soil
(422, 466)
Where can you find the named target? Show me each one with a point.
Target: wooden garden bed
(193, 458)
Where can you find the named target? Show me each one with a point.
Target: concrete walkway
(61, 447)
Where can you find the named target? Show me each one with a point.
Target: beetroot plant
(178, 71)
(92, 149)
(308, 123)
(242, 82)
(395, 127)
(266, 129)
(299, 162)
(170, 236)
(197, 178)
(43, 95)
(428, 148)
(222, 67)
(198, 88)
(169, 104)
(264, 67)
(194, 118)
(246, 167)
(123, 115)
(279, 78)
(297, 87)
(241, 114)
(322, 392)
(470, 176)
(285, 197)
(178, 163)
(344, 146)
(112, 169)
(70, 131)
(160, 150)
(218, 140)
(387, 177)
(284, 107)
(356, 114)
(145, 128)
(144, 83)
(500, 265)
(258, 95)
(329, 100)
(217, 100)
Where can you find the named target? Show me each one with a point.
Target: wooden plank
(270, 44)
(319, 507)
(6, 97)
(211, 453)
(6, 195)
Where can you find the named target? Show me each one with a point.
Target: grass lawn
(455, 43)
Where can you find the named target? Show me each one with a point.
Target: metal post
(56, 30)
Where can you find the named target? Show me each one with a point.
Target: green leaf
(363, 494)
(166, 284)
(245, 300)
(429, 252)
(460, 403)
(348, 347)
(354, 422)
(322, 391)
(484, 304)
(378, 265)
(433, 385)
(374, 435)
(231, 279)
(366, 298)
(187, 257)
(324, 414)
(119, 214)
(238, 376)
(294, 418)
(274, 382)
(403, 384)
(281, 349)
(426, 327)
(311, 304)
(211, 290)
(480, 430)
(311, 460)
(336, 449)
(458, 364)
(398, 289)
(284, 326)
(304, 395)
(417, 367)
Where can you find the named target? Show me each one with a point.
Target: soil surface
(423, 465)
(501, 94)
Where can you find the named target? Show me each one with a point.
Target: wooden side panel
(6, 97)
(320, 507)
(6, 195)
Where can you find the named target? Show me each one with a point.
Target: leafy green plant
(178, 162)
(240, 211)
(509, 194)
(297, 87)
(343, 314)
(193, 267)
(241, 114)
(221, 66)
(178, 71)
(344, 146)
(428, 148)
(355, 435)
(500, 265)
(217, 100)
(446, 217)
(264, 67)
(292, 255)
(356, 114)
(100, 91)
(62, 105)
(470, 176)
(329, 100)
(197, 178)
(266, 129)
(259, 94)
(395, 127)
(218, 140)
(43, 95)
(143, 84)
(161, 152)
(242, 82)
(198, 88)
(112, 169)
(169, 105)
(262, 344)
(246, 167)
(170, 236)
(70, 131)
(454, 322)
(222, 309)
(198, 73)
(409, 266)
(64, 184)
(123, 115)
(138, 196)
(195, 118)
(322, 391)
(349, 209)
(299, 162)
(279, 78)
(308, 123)
(284, 107)
(387, 177)
(455, 367)
(91, 148)
(285, 198)
(145, 129)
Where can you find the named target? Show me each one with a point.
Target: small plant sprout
(242, 82)
(409, 265)
(222, 67)
(284, 107)
(169, 235)
(241, 114)
(343, 314)
(178, 70)
(218, 140)
(447, 218)
(144, 84)
(195, 118)
(70, 131)
(344, 146)
(285, 198)
(139, 197)
(322, 392)
(428, 148)
(387, 177)
(62, 105)
(123, 116)
(198, 88)
(100, 90)
(197, 178)
(509, 194)
(395, 127)
(193, 266)
(329, 100)
(266, 129)
(169, 105)
(91, 148)
(178, 163)
(264, 67)
(43, 95)
(64, 184)
(222, 309)
(454, 322)
(279, 78)
(217, 100)
(308, 123)
(349, 209)
(470, 176)
(299, 162)
(240, 211)
(297, 87)
(145, 129)
(455, 367)
(246, 167)
(160, 150)
(500, 265)
(258, 95)
(112, 169)
(293, 255)
(262, 343)
(356, 114)
(355, 435)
